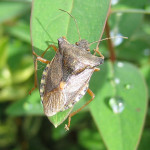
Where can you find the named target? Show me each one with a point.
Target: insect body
(66, 78)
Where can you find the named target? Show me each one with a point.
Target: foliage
(117, 119)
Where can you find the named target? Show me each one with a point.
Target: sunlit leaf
(120, 122)
(51, 24)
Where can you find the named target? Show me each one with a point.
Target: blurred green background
(21, 126)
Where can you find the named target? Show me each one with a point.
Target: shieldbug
(65, 80)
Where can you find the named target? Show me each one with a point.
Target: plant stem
(140, 11)
(110, 44)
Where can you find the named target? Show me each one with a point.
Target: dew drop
(116, 41)
(114, 2)
(128, 86)
(117, 80)
(120, 64)
(116, 104)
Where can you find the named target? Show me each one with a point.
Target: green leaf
(12, 9)
(10, 93)
(124, 23)
(3, 52)
(21, 30)
(57, 119)
(20, 61)
(91, 140)
(30, 105)
(51, 24)
(136, 51)
(131, 4)
(121, 80)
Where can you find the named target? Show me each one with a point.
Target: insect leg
(75, 112)
(39, 58)
(98, 52)
(53, 46)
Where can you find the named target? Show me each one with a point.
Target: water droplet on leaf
(116, 104)
(128, 86)
(116, 41)
(120, 64)
(114, 2)
(117, 80)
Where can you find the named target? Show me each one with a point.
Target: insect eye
(77, 43)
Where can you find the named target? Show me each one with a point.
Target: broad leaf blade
(30, 105)
(120, 131)
(49, 24)
(12, 9)
(57, 119)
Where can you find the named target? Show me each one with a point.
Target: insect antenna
(74, 21)
(108, 39)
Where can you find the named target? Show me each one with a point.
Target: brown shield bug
(65, 80)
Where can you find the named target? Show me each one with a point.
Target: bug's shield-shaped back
(54, 99)
(78, 66)
(72, 66)
(53, 102)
